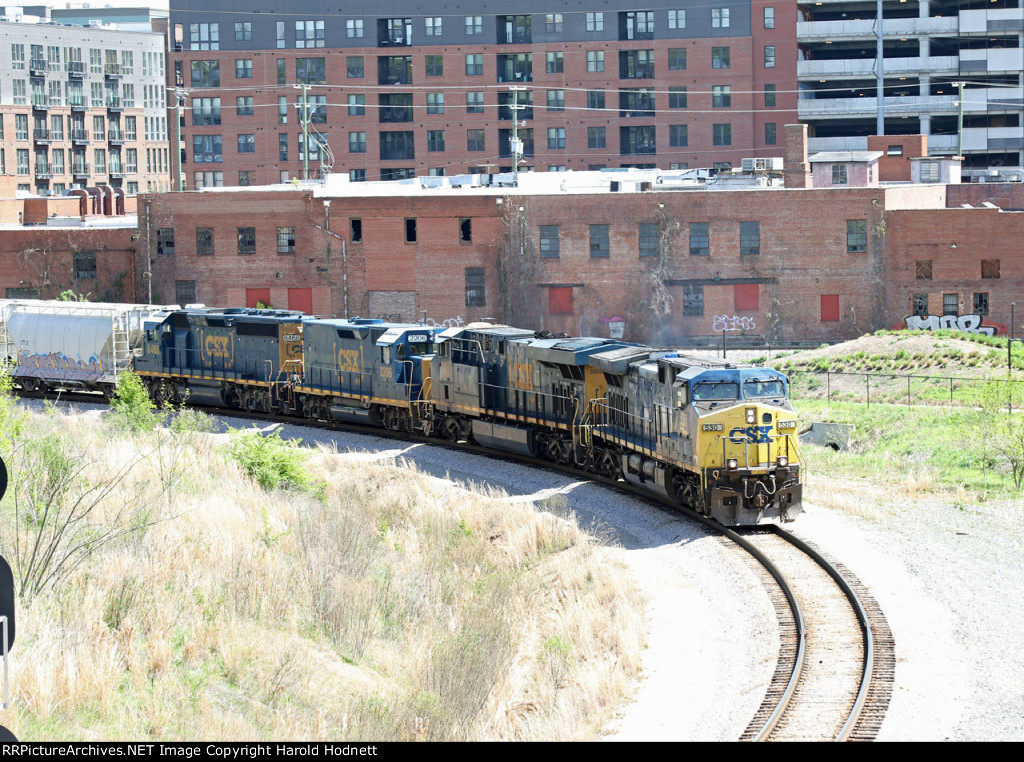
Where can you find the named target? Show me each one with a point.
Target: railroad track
(833, 679)
(834, 673)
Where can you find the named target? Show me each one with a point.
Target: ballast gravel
(949, 577)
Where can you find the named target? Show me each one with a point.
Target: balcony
(116, 173)
(115, 137)
(77, 105)
(80, 170)
(43, 171)
(844, 108)
(37, 67)
(76, 70)
(112, 71)
(41, 135)
(115, 105)
(864, 29)
(79, 136)
(40, 102)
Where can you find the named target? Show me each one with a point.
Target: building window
(769, 17)
(596, 137)
(990, 268)
(357, 105)
(719, 18)
(830, 308)
(204, 36)
(676, 59)
(286, 240)
(244, 105)
(474, 103)
(677, 97)
(750, 238)
(435, 103)
(282, 71)
(636, 64)
(719, 58)
(678, 135)
(951, 304)
(85, 264)
(282, 146)
(693, 300)
(410, 230)
(474, 64)
(433, 26)
(243, 68)
(981, 304)
(552, 23)
(856, 236)
(595, 22)
(354, 28)
(929, 171)
(595, 99)
(204, 242)
(894, 151)
(247, 143)
(476, 283)
(771, 134)
(354, 67)
(839, 174)
(556, 138)
(648, 239)
(435, 140)
(549, 241)
(515, 29)
(721, 134)
(700, 241)
(769, 56)
(599, 246)
(721, 96)
(556, 100)
(555, 63)
(357, 142)
(246, 240)
(923, 269)
(165, 241)
(475, 140)
(919, 306)
(677, 19)
(357, 175)
(185, 292)
(434, 66)
(474, 24)
(205, 74)
(595, 60)
(309, 34)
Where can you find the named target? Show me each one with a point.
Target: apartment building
(928, 47)
(393, 89)
(82, 106)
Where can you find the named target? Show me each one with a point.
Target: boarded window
(185, 292)
(257, 297)
(923, 269)
(920, 305)
(85, 264)
(745, 297)
(560, 300)
(990, 268)
(300, 299)
(830, 308)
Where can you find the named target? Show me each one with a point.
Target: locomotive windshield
(716, 390)
(763, 387)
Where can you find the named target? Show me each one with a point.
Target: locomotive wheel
(451, 430)
(30, 385)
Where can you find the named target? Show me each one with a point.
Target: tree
(1002, 424)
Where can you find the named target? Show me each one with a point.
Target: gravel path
(949, 578)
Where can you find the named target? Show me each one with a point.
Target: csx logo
(217, 346)
(753, 434)
(348, 360)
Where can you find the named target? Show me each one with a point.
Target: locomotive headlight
(751, 415)
(783, 461)
(732, 464)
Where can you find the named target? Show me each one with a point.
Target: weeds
(271, 462)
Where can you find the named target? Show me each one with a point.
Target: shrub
(271, 462)
(132, 406)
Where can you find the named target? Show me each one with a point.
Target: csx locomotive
(715, 436)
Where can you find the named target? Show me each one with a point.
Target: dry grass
(389, 607)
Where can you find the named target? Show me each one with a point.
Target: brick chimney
(796, 172)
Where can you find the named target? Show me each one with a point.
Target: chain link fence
(888, 388)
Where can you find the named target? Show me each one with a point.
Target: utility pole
(516, 143)
(180, 94)
(960, 119)
(880, 69)
(305, 130)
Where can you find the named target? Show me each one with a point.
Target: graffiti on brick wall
(733, 323)
(965, 323)
(616, 326)
(453, 322)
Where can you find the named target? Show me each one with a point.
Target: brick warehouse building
(396, 93)
(566, 253)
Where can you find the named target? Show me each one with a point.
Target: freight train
(718, 437)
